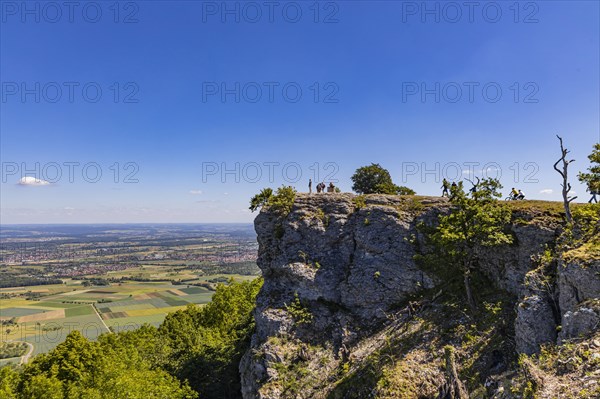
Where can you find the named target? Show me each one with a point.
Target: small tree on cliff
(374, 179)
(473, 223)
(261, 199)
(592, 179)
(281, 202)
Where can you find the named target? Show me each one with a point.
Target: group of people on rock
(448, 189)
(515, 194)
(321, 187)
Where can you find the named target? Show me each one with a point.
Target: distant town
(39, 254)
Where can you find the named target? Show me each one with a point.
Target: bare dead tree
(566, 186)
(473, 189)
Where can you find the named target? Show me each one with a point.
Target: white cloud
(546, 191)
(195, 192)
(69, 208)
(32, 181)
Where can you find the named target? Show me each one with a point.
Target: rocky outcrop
(507, 266)
(338, 268)
(328, 251)
(566, 308)
(580, 322)
(535, 324)
(579, 292)
(577, 282)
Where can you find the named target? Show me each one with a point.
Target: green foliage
(9, 381)
(586, 224)
(411, 205)
(208, 342)
(592, 179)
(42, 387)
(12, 349)
(487, 189)
(281, 202)
(478, 221)
(474, 222)
(261, 199)
(587, 218)
(581, 239)
(374, 179)
(359, 201)
(320, 214)
(116, 366)
(299, 312)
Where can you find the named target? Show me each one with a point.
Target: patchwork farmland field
(45, 321)
(111, 277)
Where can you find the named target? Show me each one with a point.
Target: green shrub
(206, 343)
(280, 202)
(359, 201)
(298, 311)
(283, 200)
(261, 199)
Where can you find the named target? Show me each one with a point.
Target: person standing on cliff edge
(453, 189)
(310, 186)
(445, 187)
(592, 191)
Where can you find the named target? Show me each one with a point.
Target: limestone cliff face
(579, 289)
(337, 270)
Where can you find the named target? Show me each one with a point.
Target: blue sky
(162, 97)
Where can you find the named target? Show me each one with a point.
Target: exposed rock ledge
(351, 267)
